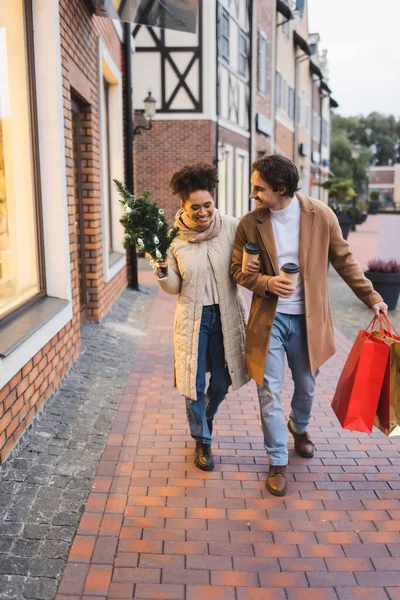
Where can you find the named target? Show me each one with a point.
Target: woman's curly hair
(192, 178)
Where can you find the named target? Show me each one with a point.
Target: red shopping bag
(359, 387)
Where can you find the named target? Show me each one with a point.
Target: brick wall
(167, 147)
(27, 391)
(381, 176)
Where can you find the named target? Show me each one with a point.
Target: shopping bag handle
(388, 324)
(373, 325)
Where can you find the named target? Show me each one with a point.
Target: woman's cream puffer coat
(187, 266)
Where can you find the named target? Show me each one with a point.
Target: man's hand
(380, 307)
(281, 286)
(253, 267)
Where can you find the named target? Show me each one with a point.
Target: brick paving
(157, 528)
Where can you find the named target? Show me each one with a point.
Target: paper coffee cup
(291, 271)
(250, 252)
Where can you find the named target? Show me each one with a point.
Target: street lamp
(149, 113)
(355, 153)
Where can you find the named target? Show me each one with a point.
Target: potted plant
(345, 218)
(341, 192)
(385, 277)
(374, 203)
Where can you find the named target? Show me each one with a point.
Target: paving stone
(46, 567)
(61, 533)
(40, 588)
(25, 547)
(14, 565)
(6, 545)
(32, 531)
(54, 548)
(11, 587)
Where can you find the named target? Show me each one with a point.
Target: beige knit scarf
(190, 230)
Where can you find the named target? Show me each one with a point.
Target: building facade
(249, 82)
(61, 143)
(385, 181)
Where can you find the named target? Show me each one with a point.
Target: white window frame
(244, 202)
(109, 71)
(263, 57)
(228, 159)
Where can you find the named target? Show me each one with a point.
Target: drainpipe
(320, 134)
(216, 88)
(129, 179)
(250, 110)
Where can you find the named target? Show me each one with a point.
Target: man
(290, 227)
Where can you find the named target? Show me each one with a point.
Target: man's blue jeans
(288, 335)
(204, 408)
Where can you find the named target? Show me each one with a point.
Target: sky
(363, 42)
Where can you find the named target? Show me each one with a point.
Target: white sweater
(286, 227)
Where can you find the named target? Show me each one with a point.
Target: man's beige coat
(187, 267)
(320, 240)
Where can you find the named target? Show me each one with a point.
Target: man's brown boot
(302, 442)
(276, 480)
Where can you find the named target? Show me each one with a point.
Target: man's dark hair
(279, 172)
(192, 178)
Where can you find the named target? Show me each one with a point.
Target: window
(286, 28)
(225, 175)
(112, 164)
(278, 89)
(316, 127)
(263, 64)
(242, 52)
(285, 104)
(21, 270)
(324, 132)
(307, 118)
(303, 109)
(241, 183)
(224, 34)
(291, 103)
(107, 161)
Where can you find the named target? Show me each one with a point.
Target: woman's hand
(280, 286)
(253, 267)
(158, 269)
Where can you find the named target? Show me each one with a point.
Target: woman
(209, 331)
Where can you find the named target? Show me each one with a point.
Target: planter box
(373, 208)
(345, 222)
(387, 285)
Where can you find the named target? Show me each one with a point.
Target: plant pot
(373, 208)
(387, 285)
(345, 222)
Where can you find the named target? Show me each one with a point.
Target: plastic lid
(251, 248)
(290, 268)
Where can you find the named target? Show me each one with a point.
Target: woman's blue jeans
(211, 343)
(288, 336)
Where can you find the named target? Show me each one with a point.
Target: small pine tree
(145, 224)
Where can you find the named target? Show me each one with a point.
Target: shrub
(384, 266)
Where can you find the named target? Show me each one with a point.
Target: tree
(377, 137)
(339, 190)
(377, 132)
